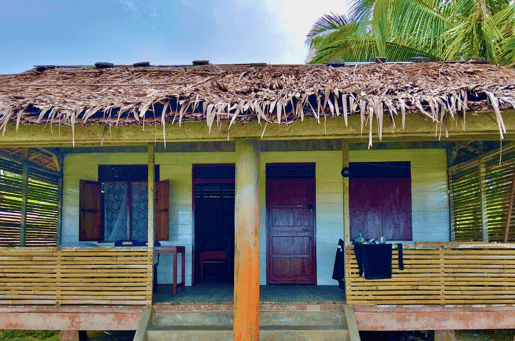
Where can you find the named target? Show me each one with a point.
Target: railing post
(442, 272)
(58, 279)
(246, 255)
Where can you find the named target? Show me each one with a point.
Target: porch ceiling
(434, 93)
(41, 157)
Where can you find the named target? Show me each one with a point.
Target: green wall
(429, 196)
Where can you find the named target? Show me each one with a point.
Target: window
(116, 207)
(380, 200)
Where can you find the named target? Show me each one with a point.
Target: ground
(461, 335)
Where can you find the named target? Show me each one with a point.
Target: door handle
(311, 207)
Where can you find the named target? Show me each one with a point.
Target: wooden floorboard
(223, 293)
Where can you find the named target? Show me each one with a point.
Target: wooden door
(291, 257)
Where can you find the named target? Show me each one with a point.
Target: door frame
(202, 181)
(268, 239)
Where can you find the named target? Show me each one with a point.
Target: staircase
(274, 325)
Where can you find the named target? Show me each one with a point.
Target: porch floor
(223, 293)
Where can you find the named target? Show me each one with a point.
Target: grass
(29, 335)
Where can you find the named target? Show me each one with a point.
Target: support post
(24, 195)
(482, 187)
(444, 335)
(151, 213)
(151, 196)
(346, 211)
(510, 208)
(246, 255)
(60, 191)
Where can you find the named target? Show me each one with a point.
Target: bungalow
(252, 173)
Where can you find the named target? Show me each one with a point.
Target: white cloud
(297, 19)
(140, 8)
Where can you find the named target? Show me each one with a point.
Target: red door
(291, 257)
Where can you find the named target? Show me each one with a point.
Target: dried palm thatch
(241, 93)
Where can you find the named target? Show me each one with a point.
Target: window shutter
(162, 209)
(90, 213)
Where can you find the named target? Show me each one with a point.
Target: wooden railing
(439, 274)
(75, 276)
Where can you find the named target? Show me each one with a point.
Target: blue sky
(58, 32)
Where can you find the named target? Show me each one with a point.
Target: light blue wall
(429, 197)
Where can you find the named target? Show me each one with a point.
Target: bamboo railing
(75, 276)
(439, 274)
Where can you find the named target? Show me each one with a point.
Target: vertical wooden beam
(452, 220)
(346, 211)
(484, 211)
(151, 213)
(510, 208)
(246, 255)
(24, 195)
(151, 196)
(60, 193)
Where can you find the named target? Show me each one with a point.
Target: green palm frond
(400, 29)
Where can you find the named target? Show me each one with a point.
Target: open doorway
(213, 187)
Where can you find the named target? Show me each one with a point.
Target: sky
(173, 32)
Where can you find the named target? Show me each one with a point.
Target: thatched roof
(272, 94)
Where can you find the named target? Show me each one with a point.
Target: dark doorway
(380, 200)
(214, 222)
(290, 200)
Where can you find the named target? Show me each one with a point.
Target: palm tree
(402, 29)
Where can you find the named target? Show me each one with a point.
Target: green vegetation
(403, 29)
(29, 335)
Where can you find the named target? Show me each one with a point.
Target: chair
(212, 257)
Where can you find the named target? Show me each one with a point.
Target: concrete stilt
(69, 335)
(444, 335)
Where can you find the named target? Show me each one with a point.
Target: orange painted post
(151, 215)
(246, 255)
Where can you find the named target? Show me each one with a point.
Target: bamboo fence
(75, 276)
(439, 274)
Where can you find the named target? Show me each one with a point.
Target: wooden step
(225, 318)
(272, 333)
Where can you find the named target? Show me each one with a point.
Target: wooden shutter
(90, 214)
(162, 209)
(380, 200)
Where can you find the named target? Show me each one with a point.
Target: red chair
(212, 257)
